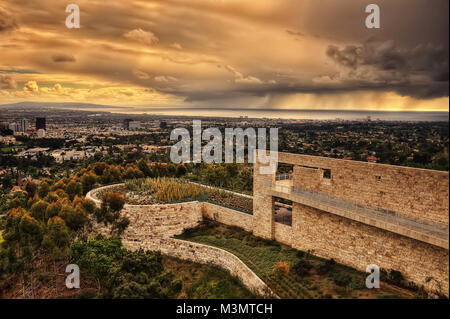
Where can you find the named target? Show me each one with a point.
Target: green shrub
(125, 274)
(300, 254)
(302, 268)
(326, 267)
(356, 283)
(217, 284)
(392, 276)
(340, 278)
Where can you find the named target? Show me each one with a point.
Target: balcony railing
(346, 208)
(283, 177)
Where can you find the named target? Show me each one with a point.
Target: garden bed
(308, 276)
(153, 191)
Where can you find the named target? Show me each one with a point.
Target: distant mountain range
(58, 105)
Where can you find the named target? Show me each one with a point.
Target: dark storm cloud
(7, 21)
(18, 71)
(421, 72)
(295, 33)
(222, 52)
(63, 57)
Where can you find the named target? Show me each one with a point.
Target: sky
(276, 54)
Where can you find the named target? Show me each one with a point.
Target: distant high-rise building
(126, 124)
(24, 125)
(134, 125)
(14, 127)
(4, 129)
(130, 125)
(40, 123)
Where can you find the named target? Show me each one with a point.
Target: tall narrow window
(327, 173)
(283, 211)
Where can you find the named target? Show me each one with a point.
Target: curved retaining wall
(153, 226)
(205, 254)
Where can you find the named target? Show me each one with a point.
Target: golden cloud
(266, 53)
(139, 35)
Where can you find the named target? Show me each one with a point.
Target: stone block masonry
(407, 232)
(410, 192)
(228, 216)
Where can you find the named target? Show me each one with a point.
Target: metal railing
(387, 216)
(285, 176)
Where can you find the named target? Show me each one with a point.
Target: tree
(98, 255)
(181, 170)
(30, 231)
(57, 239)
(51, 197)
(143, 167)
(43, 190)
(141, 275)
(75, 218)
(120, 225)
(22, 233)
(88, 181)
(53, 209)
(99, 168)
(31, 188)
(74, 189)
(17, 201)
(123, 274)
(422, 158)
(86, 204)
(132, 172)
(7, 182)
(22, 239)
(112, 204)
(38, 210)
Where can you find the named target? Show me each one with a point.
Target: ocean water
(292, 114)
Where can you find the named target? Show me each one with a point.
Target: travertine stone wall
(312, 175)
(358, 245)
(263, 205)
(228, 216)
(413, 193)
(416, 194)
(207, 255)
(283, 234)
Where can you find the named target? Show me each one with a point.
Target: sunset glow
(303, 54)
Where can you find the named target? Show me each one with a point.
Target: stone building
(361, 213)
(357, 213)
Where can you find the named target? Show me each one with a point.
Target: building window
(282, 211)
(327, 173)
(378, 178)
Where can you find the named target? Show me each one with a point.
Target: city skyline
(227, 54)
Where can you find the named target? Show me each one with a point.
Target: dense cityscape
(39, 146)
